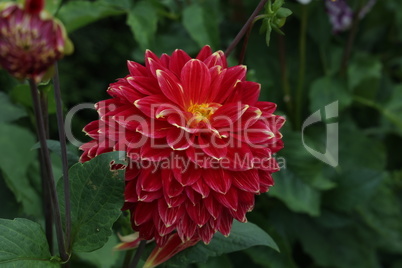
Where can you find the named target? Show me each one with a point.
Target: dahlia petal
(224, 224)
(142, 212)
(171, 186)
(206, 233)
(92, 129)
(124, 93)
(106, 106)
(146, 231)
(204, 53)
(275, 147)
(86, 147)
(201, 188)
(161, 240)
(173, 246)
(170, 215)
(180, 121)
(151, 151)
(149, 180)
(186, 228)
(266, 107)
(239, 214)
(149, 104)
(165, 59)
(198, 157)
(145, 85)
(162, 229)
(217, 74)
(153, 63)
(248, 118)
(128, 118)
(148, 196)
(213, 207)
(257, 133)
(266, 181)
(175, 201)
(198, 213)
(213, 146)
(105, 147)
(240, 157)
(246, 180)
(249, 92)
(128, 242)
(178, 139)
(217, 58)
(217, 179)
(178, 60)
(153, 128)
(136, 69)
(191, 175)
(171, 87)
(131, 172)
(230, 199)
(233, 75)
(227, 114)
(130, 191)
(196, 81)
(247, 200)
(193, 196)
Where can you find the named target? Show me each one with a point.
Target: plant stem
(284, 73)
(302, 67)
(63, 145)
(246, 38)
(138, 254)
(48, 167)
(349, 44)
(47, 206)
(245, 28)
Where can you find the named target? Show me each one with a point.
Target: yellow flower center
(202, 112)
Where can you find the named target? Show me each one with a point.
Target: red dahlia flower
(31, 40)
(199, 142)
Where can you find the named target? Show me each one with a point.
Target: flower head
(31, 40)
(199, 142)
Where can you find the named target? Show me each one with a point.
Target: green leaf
(104, 257)
(8, 111)
(23, 244)
(340, 248)
(393, 109)
(326, 90)
(199, 22)
(15, 158)
(76, 14)
(54, 146)
(296, 194)
(351, 155)
(143, 21)
(383, 214)
(301, 163)
(96, 200)
(364, 68)
(51, 6)
(242, 236)
(355, 187)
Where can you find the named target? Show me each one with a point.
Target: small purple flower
(341, 15)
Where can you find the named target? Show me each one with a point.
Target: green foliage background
(349, 216)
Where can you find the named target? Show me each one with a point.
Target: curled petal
(173, 246)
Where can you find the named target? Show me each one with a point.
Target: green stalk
(302, 67)
(40, 126)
